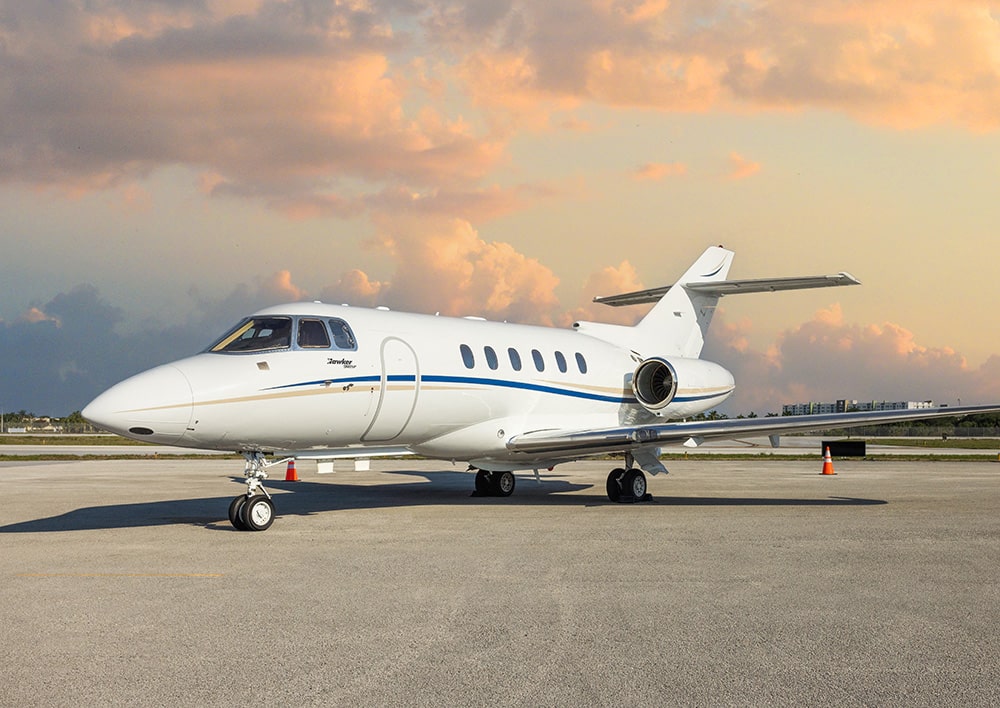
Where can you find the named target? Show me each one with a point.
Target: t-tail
(678, 323)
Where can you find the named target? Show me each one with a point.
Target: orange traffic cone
(290, 474)
(827, 463)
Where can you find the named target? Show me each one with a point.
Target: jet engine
(703, 384)
(654, 383)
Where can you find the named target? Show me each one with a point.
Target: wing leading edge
(623, 439)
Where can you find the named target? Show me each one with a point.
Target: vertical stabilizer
(678, 323)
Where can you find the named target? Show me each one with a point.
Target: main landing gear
(624, 484)
(253, 511)
(627, 485)
(494, 484)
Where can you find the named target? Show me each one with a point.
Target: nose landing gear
(253, 511)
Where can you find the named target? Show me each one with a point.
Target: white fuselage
(448, 388)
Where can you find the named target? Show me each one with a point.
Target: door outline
(394, 412)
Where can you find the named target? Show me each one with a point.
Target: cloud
(279, 99)
(442, 265)
(828, 358)
(316, 109)
(355, 288)
(901, 64)
(893, 63)
(656, 171)
(610, 280)
(35, 315)
(52, 357)
(740, 167)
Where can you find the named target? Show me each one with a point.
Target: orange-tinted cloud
(828, 358)
(355, 288)
(902, 64)
(34, 315)
(274, 100)
(280, 287)
(740, 167)
(442, 265)
(318, 110)
(610, 280)
(656, 171)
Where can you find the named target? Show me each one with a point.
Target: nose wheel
(253, 511)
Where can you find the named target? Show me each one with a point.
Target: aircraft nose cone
(154, 406)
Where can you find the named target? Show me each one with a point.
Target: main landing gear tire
(482, 483)
(257, 513)
(236, 513)
(503, 483)
(614, 485)
(495, 484)
(626, 485)
(634, 484)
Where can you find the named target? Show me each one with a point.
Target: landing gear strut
(494, 484)
(253, 511)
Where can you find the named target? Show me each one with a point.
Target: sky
(167, 167)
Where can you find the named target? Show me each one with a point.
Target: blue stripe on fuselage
(496, 383)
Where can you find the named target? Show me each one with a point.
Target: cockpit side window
(343, 337)
(313, 334)
(256, 334)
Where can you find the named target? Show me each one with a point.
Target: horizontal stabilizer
(733, 287)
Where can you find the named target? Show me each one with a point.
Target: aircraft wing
(732, 287)
(584, 442)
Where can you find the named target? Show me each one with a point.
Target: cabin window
(343, 337)
(561, 362)
(256, 334)
(539, 361)
(581, 363)
(515, 359)
(491, 358)
(313, 334)
(467, 356)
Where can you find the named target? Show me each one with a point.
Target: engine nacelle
(692, 385)
(654, 383)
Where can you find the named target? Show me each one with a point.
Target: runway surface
(742, 582)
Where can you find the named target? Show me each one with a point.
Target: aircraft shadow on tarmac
(306, 498)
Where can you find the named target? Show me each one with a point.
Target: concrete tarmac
(741, 583)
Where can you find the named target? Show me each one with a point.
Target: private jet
(324, 382)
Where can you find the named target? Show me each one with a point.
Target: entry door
(398, 391)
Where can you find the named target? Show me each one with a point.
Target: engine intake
(654, 383)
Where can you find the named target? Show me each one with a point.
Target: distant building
(845, 405)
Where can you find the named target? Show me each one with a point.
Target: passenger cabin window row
(493, 360)
(257, 334)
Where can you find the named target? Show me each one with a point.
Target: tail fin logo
(716, 271)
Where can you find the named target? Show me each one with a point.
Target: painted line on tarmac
(120, 575)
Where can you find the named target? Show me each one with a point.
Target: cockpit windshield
(256, 334)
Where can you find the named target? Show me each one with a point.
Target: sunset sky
(169, 166)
